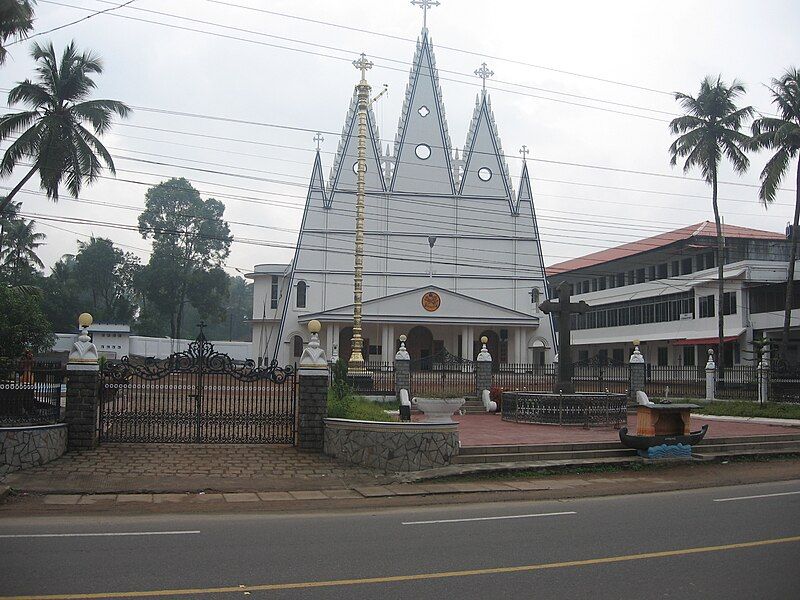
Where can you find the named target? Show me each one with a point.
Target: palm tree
(20, 253)
(7, 218)
(16, 20)
(782, 134)
(709, 130)
(52, 133)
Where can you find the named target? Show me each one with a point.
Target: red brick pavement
(490, 430)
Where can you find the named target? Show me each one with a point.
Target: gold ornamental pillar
(363, 89)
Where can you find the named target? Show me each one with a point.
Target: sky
(582, 84)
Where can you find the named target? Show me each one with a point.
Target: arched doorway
(420, 344)
(492, 345)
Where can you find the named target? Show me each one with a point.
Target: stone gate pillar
(637, 373)
(483, 369)
(312, 393)
(402, 369)
(83, 390)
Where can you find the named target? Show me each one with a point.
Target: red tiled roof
(706, 228)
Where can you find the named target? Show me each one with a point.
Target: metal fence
(442, 374)
(30, 393)
(601, 378)
(675, 381)
(373, 378)
(737, 383)
(784, 381)
(525, 377)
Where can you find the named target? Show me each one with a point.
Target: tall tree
(709, 130)
(106, 272)
(190, 242)
(16, 21)
(52, 134)
(782, 134)
(19, 259)
(7, 218)
(63, 298)
(23, 325)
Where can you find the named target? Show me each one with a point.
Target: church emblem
(431, 301)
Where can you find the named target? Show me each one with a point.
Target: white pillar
(465, 350)
(329, 339)
(710, 372)
(469, 341)
(522, 335)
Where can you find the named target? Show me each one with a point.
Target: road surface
(732, 542)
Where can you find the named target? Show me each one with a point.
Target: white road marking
(109, 534)
(553, 514)
(758, 496)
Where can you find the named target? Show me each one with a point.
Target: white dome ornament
(483, 355)
(402, 353)
(83, 350)
(313, 356)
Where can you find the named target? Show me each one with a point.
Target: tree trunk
(787, 314)
(7, 200)
(720, 359)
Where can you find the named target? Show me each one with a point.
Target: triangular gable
(422, 144)
(316, 189)
(525, 193)
(408, 305)
(485, 170)
(343, 176)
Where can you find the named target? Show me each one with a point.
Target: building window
(711, 260)
(423, 151)
(663, 356)
(375, 350)
(688, 356)
(484, 174)
(729, 303)
(618, 355)
(676, 265)
(662, 271)
(535, 296)
(583, 355)
(686, 266)
(651, 273)
(658, 309)
(273, 295)
(302, 290)
(297, 346)
(639, 275)
(706, 306)
(620, 279)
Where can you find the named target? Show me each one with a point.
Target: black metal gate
(199, 395)
(442, 374)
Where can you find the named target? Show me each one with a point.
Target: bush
(774, 410)
(354, 407)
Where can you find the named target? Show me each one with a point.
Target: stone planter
(439, 410)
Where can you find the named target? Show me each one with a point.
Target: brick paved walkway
(182, 467)
(490, 430)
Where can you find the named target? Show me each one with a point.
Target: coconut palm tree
(782, 134)
(709, 130)
(7, 218)
(52, 134)
(19, 255)
(16, 20)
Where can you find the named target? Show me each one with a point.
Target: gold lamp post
(363, 89)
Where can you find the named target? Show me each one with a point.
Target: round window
(423, 111)
(484, 173)
(355, 168)
(423, 151)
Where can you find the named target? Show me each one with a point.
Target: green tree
(18, 256)
(23, 325)
(16, 21)
(230, 323)
(52, 134)
(781, 134)
(62, 297)
(7, 218)
(107, 273)
(190, 242)
(709, 130)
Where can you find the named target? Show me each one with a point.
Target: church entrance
(420, 344)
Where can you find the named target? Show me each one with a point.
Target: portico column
(389, 348)
(335, 330)
(329, 339)
(522, 354)
(465, 349)
(469, 339)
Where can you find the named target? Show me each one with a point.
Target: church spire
(422, 144)
(525, 193)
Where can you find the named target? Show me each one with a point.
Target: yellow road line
(417, 577)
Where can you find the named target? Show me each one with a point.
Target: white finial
(364, 65)
(319, 139)
(84, 351)
(484, 73)
(402, 353)
(524, 151)
(636, 357)
(483, 355)
(710, 365)
(313, 356)
(425, 5)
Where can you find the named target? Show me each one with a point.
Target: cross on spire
(524, 151)
(364, 65)
(484, 73)
(425, 5)
(319, 139)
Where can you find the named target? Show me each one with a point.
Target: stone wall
(391, 446)
(312, 408)
(25, 447)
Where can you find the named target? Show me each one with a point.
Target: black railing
(675, 381)
(373, 378)
(525, 377)
(784, 381)
(30, 393)
(738, 383)
(599, 377)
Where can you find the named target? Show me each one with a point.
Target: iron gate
(442, 374)
(199, 395)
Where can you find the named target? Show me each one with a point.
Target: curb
(756, 420)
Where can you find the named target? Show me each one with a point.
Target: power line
(86, 18)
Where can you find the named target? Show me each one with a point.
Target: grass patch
(355, 407)
(773, 410)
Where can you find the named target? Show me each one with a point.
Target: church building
(451, 251)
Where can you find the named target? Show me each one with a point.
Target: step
(537, 448)
(543, 456)
(744, 447)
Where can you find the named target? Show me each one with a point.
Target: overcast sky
(245, 72)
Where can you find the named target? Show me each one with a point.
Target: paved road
(667, 545)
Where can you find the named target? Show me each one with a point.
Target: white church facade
(451, 252)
